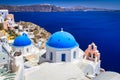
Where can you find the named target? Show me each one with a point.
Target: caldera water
(101, 27)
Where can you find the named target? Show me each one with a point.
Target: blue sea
(103, 28)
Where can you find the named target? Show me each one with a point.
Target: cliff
(40, 34)
(47, 8)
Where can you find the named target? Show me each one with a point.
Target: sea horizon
(112, 4)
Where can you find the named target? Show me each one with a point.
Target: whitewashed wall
(24, 50)
(20, 73)
(1, 19)
(57, 54)
(4, 13)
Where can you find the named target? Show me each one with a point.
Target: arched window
(92, 47)
(51, 56)
(74, 54)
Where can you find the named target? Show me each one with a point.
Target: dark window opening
(27, 50)
(93, 55)
(74, 54)
(17, 53)
(87, 73)
(63, 57)
(92, 47)
(16, 27)
(89, 55)
(3, 58)
(51, 56)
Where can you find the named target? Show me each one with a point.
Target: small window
(87, 73)
(51, 55)
(27, 50)
(3, 58)
(74, 54)
(92, 47)
(63, 57)
(17, 53)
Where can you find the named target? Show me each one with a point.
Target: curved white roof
(108, 76)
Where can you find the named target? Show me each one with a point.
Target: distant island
(49, 8)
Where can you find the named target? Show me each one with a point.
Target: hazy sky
(112, 4)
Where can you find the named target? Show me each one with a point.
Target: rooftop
(62, 39)
(55, 71)
(22, 41)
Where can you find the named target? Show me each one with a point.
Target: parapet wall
(19, 74)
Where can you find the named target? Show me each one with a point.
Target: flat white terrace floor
(55, 71)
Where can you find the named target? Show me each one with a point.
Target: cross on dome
(61, 29)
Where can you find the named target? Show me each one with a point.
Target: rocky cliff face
(32, 8)
(47, 8)
(40, 34)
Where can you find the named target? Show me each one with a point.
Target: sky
(109, 4)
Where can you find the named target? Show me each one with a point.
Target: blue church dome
(61, 39)
(22, 41)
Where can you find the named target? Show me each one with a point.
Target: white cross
(61, 29)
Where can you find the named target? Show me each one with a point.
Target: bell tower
(91, 53)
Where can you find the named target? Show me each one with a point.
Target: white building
(11, 22)
(1, 19)
(22, 44)
(3, 56)
(7, 19)
(4, 13)
(3, 52)
(62, 47)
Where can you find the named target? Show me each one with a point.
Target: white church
(62, 47)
